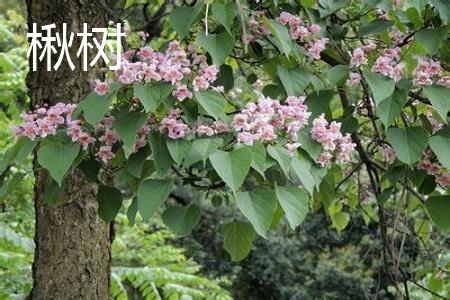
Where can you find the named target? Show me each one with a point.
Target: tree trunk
(73, 247)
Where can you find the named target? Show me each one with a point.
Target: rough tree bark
(72, 258)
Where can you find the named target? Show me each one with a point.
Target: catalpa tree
(273, 108)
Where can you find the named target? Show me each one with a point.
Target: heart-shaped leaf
(109, 202)
(259, 207)
(151, 194)
(408, 143)
(294, 203)
(181, 220)
(232, 166)
(439, 97)
(152, 95)
(57, 155)
(237, 239)
(218, 45)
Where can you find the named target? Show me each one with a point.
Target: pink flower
(292, 147)
(101, 88)
(246, 138)
(204, 130)
(85, 140)
(30, 130)
(354, 79)
(219, 127)
(358, 58)
(444, 180)
(182, 92)
(109, 137)
(140, 143)
(45, 127)
(200, 83)
(345, 148)
(444, 81)
(174, 126)
(247, 38)
(314, 28)
(105, 153)
(145, 53)
(317, 47)
(74, 130)
(324, 158)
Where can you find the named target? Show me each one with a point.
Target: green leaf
(152, 95)
(201, 149)
(212, 102)
(127, 124)
(91, 168)
(224, 14)
(408, 143)
(302, 168)
(389, 109)
(151, 194)
(430, 39)
(294, 80)
(237, 239)
(161, 155)
(132, 211)
(57, 155)
(129, 3)
(381, 86)
(225, 77)
(439, 209)
(219, 45)
(319, 102)
(17, 153)
(376, 26)
(52, 192)
(109, 202)
(135, 163)
(179, 149)
(182, 220)
(282, 156)
(340, 220)
(95, 106)
(181, 18)
(443, 7)
(294, 203)
(307, 143)
(327, 7)
(259, 207)
(337, 74)
(232, 166)
(439, 97)
(440, 144)
(259, 158)
(281, 34)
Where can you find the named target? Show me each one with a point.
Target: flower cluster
(43, 121)
(434, 168)
(187, 70)
(429, 71)
(173, 125)
(268, 119)
(332, 140)
(304, 33)
(387, 64)
(358, 56)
